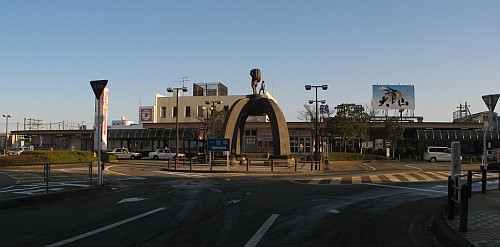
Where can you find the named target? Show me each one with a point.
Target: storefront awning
(451, 135)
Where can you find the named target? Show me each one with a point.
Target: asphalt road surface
(152, 207)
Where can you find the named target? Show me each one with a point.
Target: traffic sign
(98, 87)
(491, 101)
(218, 144)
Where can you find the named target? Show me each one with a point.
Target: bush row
(52, 157)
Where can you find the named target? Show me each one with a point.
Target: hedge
(52, 157)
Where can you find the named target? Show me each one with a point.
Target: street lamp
(212, 109)
(6, 116)
(316, 138)
(171, 90)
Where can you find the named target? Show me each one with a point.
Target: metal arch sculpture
(256, 105)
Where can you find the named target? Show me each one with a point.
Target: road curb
(30, 200)
(445, 234)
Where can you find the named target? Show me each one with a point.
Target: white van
(434, 154)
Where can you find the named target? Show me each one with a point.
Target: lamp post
(171, 90)
(316, 138)
(6, 116)
(212, 109)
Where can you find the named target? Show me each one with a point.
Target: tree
(351, 121)
(309, 115)
(394, 131)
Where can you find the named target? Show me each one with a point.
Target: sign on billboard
(387, 97)
(147, 114)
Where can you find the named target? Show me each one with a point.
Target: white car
(19, 150)
(164, 154)
(123, 153)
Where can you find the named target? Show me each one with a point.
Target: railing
(50, 175)
(465, 192)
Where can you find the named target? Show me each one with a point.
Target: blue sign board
(218, 144)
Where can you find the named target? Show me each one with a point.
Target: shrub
(53, 157)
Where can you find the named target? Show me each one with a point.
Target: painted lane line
(262, 230)
(414, 167)
(315, 181)
(371, 167)
(334, 211)
(82, 236)
(132, 199)
(408, 188)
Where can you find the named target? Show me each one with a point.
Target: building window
(188, 111)
(200, 111)
(163, 113)
(174, 111)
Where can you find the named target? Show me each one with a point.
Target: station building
(157, 129)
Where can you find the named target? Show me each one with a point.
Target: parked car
(19, 150)
(434, 154)
(124, 153)
(164, 154)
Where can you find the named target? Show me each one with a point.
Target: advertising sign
(397, 97)
(146, 114)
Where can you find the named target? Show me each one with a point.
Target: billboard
(104, 104)
(386, 97)
(146, 114)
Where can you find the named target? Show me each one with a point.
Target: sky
(51, 50)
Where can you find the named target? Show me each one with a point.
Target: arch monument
(256, 104)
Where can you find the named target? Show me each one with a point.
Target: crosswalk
(383, 178)
(186, 174)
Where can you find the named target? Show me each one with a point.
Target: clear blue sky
(50, 50)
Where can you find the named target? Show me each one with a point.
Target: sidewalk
(483, 228)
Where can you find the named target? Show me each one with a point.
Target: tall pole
(316, 144)
(176, 90)
(316, 138)
(6, 116)
(177, 128)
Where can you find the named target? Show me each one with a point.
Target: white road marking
(132, 199)
(414, 167)
(262, 230)
(407, 188)
(315, 181)
(189, 175)
(334, 211)
(82, 236)
(371, 167)
(336, 180)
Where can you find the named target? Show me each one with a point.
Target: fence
(50, 176)
(465, 192)
(247, 164)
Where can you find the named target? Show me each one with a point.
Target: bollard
(272, 165)
(469, 182)
(312, 163)
(484, 181)
(169, 163)
(46, 173)
(296, 161)
(450, 198)
(90, 173)
(498, 179)
(190, 164)
(464, 208)
(248, 165)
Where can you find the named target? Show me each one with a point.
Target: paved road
(153, 207)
